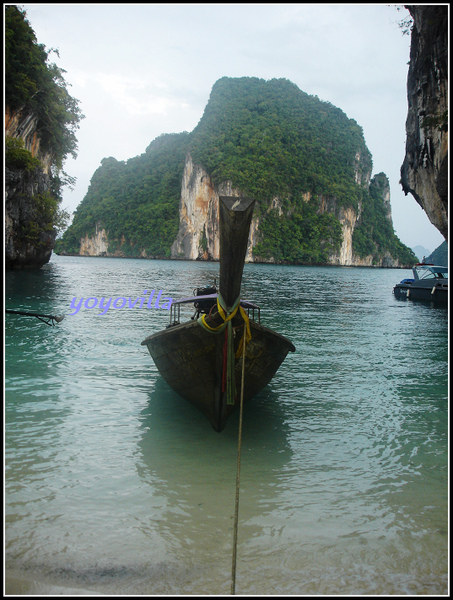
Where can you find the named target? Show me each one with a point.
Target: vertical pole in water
(238, 471)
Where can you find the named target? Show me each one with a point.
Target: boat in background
(429, 283)
(202, 359)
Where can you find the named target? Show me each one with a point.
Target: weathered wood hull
(194, 357)
(190, 359)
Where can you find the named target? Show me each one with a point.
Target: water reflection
(197, 466)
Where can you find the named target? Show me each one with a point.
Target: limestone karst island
(303, 160)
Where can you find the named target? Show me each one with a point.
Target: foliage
(305, 237)
(136, 200)
(406, 24)
(43, 222)
(271, 139)
(61, 220)
(440, 255)
(17, 157)
(374, 234)
(35, 85)
(47, 207)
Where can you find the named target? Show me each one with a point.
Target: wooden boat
(202, 358)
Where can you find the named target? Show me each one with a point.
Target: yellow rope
(227, 316)
(238, 471)
(247, 333)
(223, 313)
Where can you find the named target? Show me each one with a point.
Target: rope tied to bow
(228, 377)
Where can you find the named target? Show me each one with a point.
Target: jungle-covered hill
(271, 140)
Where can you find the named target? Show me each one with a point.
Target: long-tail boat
(202, 359)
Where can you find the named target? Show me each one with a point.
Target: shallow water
(115, 485)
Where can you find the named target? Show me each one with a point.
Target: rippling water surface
(115, 485)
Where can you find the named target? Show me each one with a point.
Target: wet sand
(19, 586)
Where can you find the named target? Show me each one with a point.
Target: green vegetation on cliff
(374, 234)
(17, 157)
(439, 256)
(136, 200)
(35, 85)
(271, 140)
(306, 237)
(37, 107)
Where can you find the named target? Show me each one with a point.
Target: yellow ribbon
(227, 316)
(247, 334)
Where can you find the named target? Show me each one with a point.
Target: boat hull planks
(190, 359)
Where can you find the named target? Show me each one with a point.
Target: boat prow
(202, 359)
(192, 362)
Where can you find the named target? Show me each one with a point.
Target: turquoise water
(115, 485)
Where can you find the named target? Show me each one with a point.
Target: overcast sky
(140, 70)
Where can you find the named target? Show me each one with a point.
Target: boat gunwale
(193, 323)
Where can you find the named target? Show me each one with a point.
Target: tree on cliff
(34, 85)
(41, 117)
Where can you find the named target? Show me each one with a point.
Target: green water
(115, 485)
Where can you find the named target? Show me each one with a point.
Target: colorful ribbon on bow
(228, 378)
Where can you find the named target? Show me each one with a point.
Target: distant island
(439, 256)
(303, 160)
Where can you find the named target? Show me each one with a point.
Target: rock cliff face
(424, 172)
(23, 124)
(348, 219)
(198, 237)
(96, 245)
(29, 239)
